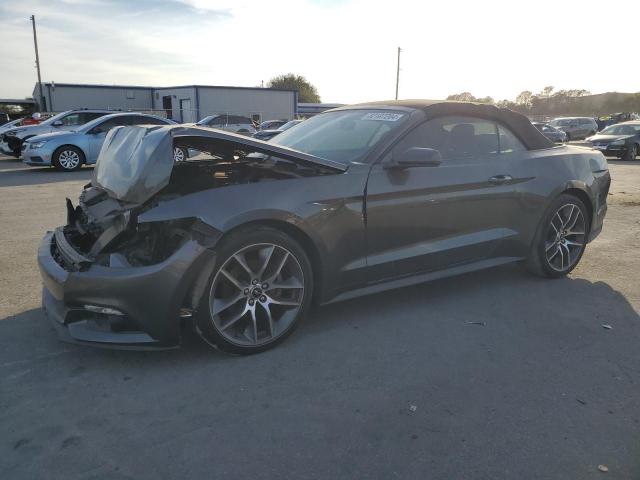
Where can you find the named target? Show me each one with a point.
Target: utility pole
(35, 43)
(398, 73)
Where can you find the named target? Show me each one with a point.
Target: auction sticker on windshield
(385, 117)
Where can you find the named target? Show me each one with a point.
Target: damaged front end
(112, 281)
(120, 275)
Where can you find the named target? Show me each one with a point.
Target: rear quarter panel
(550, 172)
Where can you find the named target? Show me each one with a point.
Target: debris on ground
(603, 468)
(607, 326)
(581, 401)
(413, 408)
(482, 324)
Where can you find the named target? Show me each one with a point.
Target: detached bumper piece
(126, 308)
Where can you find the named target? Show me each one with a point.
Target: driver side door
(427, 218)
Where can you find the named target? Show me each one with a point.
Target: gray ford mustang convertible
(241, 239)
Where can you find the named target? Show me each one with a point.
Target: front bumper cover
(150, 297)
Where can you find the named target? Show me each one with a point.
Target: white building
(184, 103)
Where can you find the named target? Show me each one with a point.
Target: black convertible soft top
(520, 125)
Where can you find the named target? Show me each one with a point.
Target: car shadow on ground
(13, 173)
(488, 372)
(504, 299)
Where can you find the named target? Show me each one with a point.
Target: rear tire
(68, 158)
(631, 153)
(560, 239)
(258, 292)
(180, 154)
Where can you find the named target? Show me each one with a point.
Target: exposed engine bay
(105, 230)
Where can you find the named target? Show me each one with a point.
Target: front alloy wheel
(258, 293)
(68, 159)
(631, 153)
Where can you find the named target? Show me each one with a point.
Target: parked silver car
(230, 123)
(553, 134)
(64, 121)
(69, 150)
(576, 128)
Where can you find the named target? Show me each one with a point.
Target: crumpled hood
(136, 162)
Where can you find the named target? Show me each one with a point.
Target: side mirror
(415, 157)
(57, 123)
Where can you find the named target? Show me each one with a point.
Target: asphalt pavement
(491, 375)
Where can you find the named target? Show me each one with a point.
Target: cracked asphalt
(490, 375)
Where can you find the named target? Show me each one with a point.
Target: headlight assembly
(34, 145)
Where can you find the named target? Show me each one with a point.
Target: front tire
(259, 291)
(561, 238)
(68, 158)
(631, 153)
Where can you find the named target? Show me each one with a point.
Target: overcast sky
(346, 48)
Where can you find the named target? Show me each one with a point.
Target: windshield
(59, 116)
(343, 135)
(205, 120)
(621, 130)
(288, 125)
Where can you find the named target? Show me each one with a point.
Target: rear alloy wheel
(561, 238)
(259, 292)
(68, 158)
(180, 154)
(631, 153)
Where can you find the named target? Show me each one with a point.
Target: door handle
(500, 179)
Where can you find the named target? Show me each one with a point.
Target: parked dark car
(240, 240)
(268, 134)
(621, 140)
(553, 134)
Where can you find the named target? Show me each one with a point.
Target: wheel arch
(84, 154)
(582, 195)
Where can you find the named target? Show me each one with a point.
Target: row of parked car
(70, 139)
(621, 140)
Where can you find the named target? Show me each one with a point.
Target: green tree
(524, 98)
(462, 97)
(307, 93)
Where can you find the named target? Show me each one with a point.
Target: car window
(547, 128)
(88, 116)
(72, 119)
(459, 139)
(142, 120)
(218, 120)
(509, 143)
(113, 122)
(621, 130)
